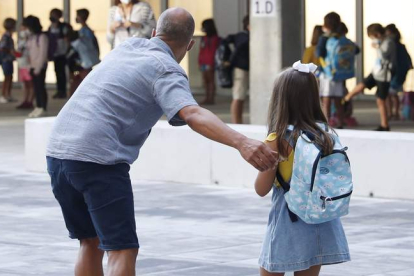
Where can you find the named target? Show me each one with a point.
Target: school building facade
(280, 30)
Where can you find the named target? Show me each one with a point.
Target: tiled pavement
(184, 230)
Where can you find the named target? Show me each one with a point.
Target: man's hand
(258, 154)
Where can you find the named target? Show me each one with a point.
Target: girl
(24, 69)
(309, 55)
(296, 246)
(37, 46)
(208, 46)
(330, 90)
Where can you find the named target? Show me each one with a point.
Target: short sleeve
(271, 137)
(172, 93)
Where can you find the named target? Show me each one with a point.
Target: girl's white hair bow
(305, 67)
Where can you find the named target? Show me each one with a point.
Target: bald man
(101, 129)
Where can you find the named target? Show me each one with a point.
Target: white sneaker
(39, 113)
(3, 100)
(34, 112)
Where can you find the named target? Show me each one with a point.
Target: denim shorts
(296, 246)
(7, 67)
(96, 201)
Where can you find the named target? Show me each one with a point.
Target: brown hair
(317, 32)
(83, 14)
(9, 24)
(295, 101)
(332, 21)
(375, 29)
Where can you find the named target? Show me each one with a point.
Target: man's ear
(191, 45)
(154, 33)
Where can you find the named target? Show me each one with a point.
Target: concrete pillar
(276, 41)
(20, 12)
(66, 11)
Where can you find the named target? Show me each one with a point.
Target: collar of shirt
(163, 45)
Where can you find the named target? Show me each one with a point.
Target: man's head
(82, 16)
(55, 15)
(176, 28)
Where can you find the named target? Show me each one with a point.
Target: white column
(276, 41)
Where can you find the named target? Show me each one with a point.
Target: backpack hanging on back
(321, 185)
(224, 73)
(340, 59)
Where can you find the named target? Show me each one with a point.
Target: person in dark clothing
(403, 65)
(58, 32)
(240, 62)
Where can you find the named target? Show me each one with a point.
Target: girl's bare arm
(265, 180)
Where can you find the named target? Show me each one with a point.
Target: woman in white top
(129, 18)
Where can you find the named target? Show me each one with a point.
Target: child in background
(296, 246)
(84, 51)
(7, 56)
(24, 68)
(208, 46)
(309, 55)
(82, 56)
(82, 16)
(37, 46)
(330, 90)
(382, 72)
(404, 64)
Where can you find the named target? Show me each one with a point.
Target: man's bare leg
(89, 261)
(122, 262)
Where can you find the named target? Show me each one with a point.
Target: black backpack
(224, 72)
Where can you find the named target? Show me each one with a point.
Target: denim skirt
(296, 246)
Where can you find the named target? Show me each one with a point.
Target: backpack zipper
(325, 199)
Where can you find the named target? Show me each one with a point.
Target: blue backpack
(340, 59)
(321, 185)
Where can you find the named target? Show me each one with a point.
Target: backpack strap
(285, 185)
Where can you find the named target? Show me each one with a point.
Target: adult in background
(37, 46)
(130, 18)
(240, 62)
(208, 47)
(102, 127)
(58, 34)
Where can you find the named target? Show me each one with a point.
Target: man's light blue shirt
(112, 112)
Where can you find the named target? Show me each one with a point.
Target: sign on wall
(263, 8)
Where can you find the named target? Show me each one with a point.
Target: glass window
(8, 8)
(399, 13)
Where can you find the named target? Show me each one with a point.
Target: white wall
(382, 163)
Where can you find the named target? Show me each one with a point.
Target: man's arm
(209, 125)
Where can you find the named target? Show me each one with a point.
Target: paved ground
(184, 230)
(364, 110)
